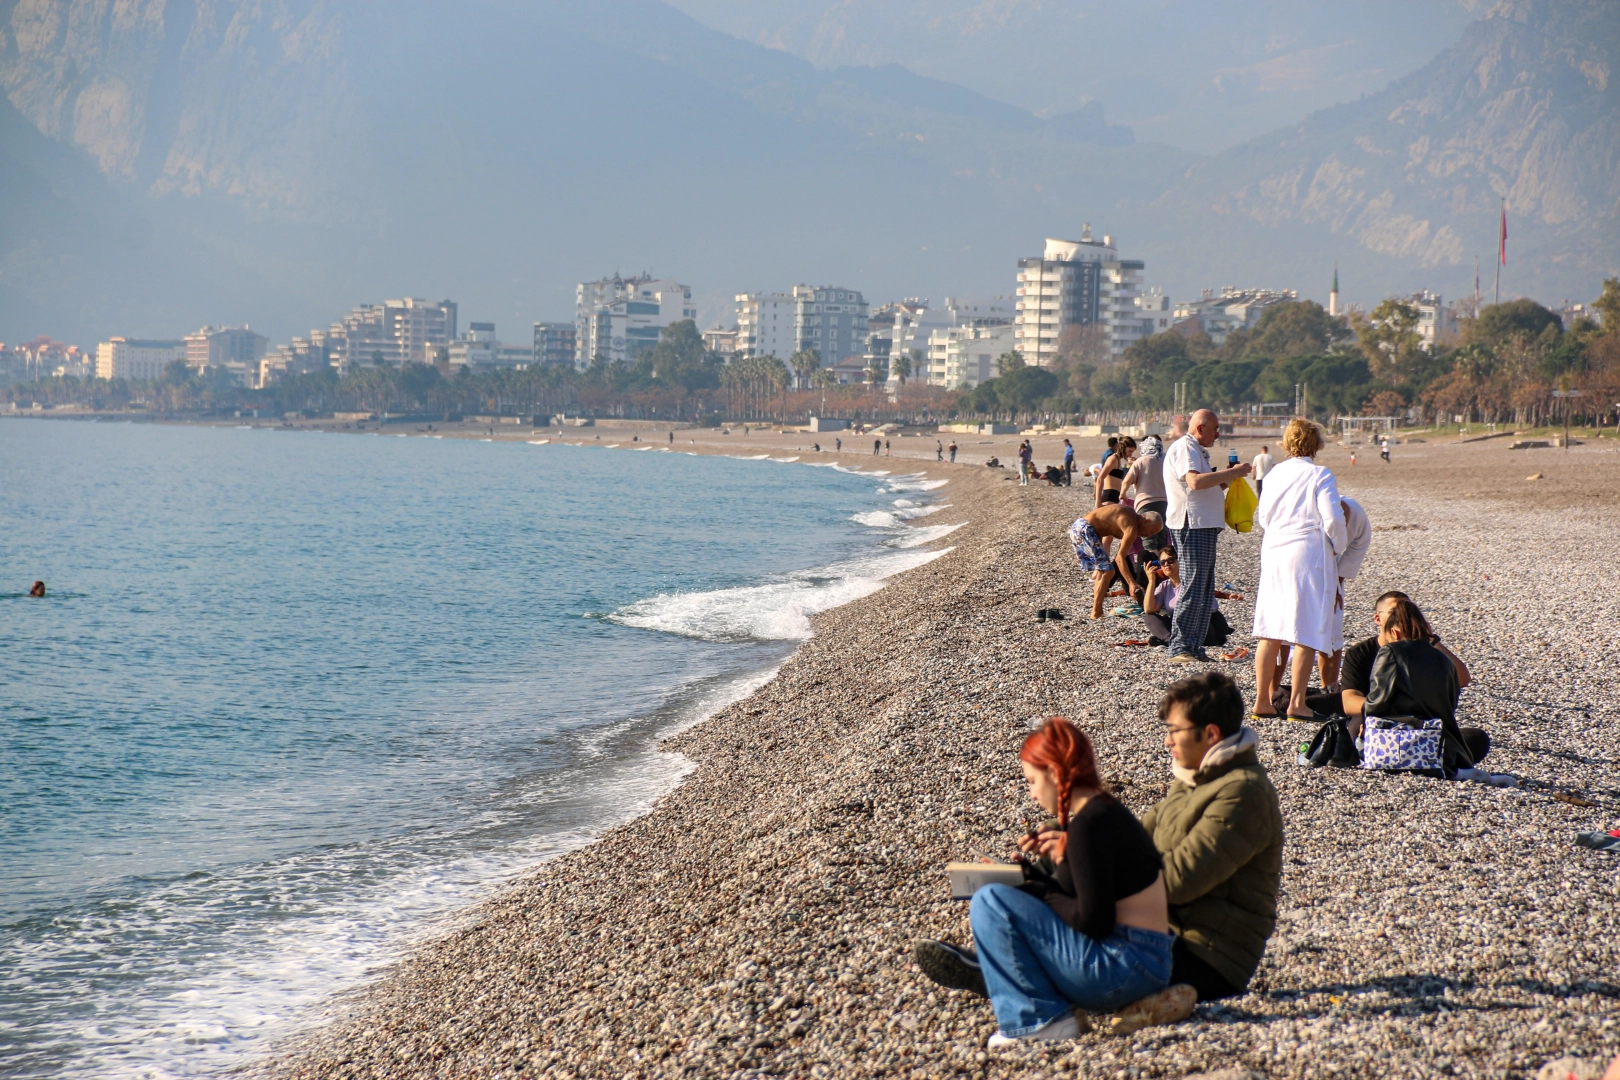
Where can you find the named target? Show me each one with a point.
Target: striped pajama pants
(1195, 551)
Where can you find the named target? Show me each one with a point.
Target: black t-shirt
(1109, 857)
(1355, 671)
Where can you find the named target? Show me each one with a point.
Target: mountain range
(168, 163)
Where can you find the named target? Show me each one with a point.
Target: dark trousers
(1187, 968)
(1195, 548)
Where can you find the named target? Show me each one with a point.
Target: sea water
(293, 698)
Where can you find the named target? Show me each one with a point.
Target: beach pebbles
(760, 921)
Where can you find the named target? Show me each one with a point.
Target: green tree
(900, 366)
(1022, 389)
(1499, 324)
(1608, 305)
(1292, 328)
(805, 363)
(417, 381)
(1009, 361)
(1390, 341)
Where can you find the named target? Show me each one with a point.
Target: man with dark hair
(1220, 832)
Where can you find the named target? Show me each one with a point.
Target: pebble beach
(759, 920)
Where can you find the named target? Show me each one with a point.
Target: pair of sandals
(956, 968)
(1311, 717)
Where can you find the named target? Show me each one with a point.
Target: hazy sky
(1190, 73)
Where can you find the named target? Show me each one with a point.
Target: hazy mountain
(278, 161)
(1404, 187)
(1186, 72)
(495, 152)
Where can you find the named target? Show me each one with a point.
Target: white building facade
(620, 318)
(831, 320)
(1219, 314)
(765, 324)
(1076, 283)
(136, 358)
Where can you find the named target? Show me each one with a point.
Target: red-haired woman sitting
(1096, 935)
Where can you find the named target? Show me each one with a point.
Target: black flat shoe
(950, 966)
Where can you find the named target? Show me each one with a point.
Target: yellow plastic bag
(1240, 505)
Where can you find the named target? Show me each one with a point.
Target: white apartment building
(136, 358)
(1434, 321)
(620, 318)
(478, 350)
(217, 346)
(968, 354)
(957, 321)
(1076, 283)
(765, 324)
(1232, 309)
(830, 319)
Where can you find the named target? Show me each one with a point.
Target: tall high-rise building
(136, 358)
(554, 342)
(1076, 283)
(620, 318)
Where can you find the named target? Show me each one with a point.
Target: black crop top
(1109, 857)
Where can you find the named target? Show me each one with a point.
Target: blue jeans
(1037, 967)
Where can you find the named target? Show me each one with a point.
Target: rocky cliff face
(1524, 107)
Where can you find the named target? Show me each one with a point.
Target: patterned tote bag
(1401, 744)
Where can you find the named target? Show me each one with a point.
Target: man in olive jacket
(1221, 835)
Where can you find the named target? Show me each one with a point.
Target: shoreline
(759, 918)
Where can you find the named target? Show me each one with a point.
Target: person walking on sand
(1383, 449)
(952, 449)
(877, 447)
(885, 447)
(1262, 464)
(1068, 463)
(1025, 454)
(1298, 597)
(1196, 515)
(838, 445)
(939, 450)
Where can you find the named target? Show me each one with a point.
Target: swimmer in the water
(38, 590)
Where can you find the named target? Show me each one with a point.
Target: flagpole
(1501, 252)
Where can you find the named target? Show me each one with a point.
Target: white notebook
(968, 878)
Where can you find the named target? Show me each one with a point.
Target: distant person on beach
(1068, 462)
(816, 447)
(1088, 537)
(877, 447)
(672, 438)
(1110, 485)
(1026, 453)
(38, 591)
(1220, 830)
(939, 450)
(1262, 464)
(1196, 515)
(1383, 449)
(885, 447)
(838, 445)
(1298, 597)
(1146, 478)
(1089, 929)
(952, 449)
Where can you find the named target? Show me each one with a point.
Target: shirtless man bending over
(1089, 536)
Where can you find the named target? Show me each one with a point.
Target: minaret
(1333, 297)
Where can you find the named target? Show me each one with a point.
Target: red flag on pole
(1502, 253)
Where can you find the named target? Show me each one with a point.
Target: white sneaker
(1061, 1029)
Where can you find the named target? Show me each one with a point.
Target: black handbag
(1333, 745)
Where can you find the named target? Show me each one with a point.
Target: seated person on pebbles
(1220, 832)
(1406, 672)
(1092, 932)
(1090, 537)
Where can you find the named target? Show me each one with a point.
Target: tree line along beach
(759, 921)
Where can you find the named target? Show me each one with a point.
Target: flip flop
(1265, 716)
(1131, 641)
(1239, 653)
(1311, 718)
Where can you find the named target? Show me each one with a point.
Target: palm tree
(805, 363)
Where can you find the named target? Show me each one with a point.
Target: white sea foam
(877, 519)
(926, 534)
(779, 610)
(784, 460)
(914, 483)
(537, 442)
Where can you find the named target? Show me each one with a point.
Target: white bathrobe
(1299, 556)
(1358, 532)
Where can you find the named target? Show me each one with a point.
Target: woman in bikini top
(1110, 482)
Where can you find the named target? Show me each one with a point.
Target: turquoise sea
(295, 698)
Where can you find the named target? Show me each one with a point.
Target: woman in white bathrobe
(1299, 568)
